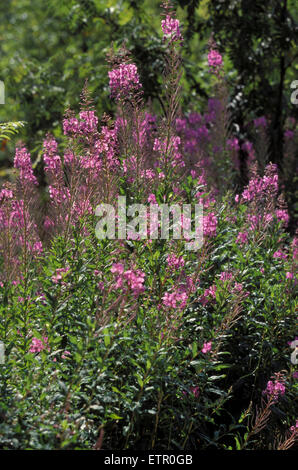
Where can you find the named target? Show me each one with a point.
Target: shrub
(140, 343)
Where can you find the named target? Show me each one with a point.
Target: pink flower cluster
(58, 194)
(38, 345)
(242, 238)
(52, 161)
(294, 428)
(233, 144)
(58, 276)
(209, 294)
(124, 80)
(193, 130)
(169, 151)
(274, 389)
(175, 299)
(214, 60)
(225, 276)
(105, 147)
(238, 287)
(87, 124)
(152, 199)
(175, 262)
(279, 254)
(283, 215)
(171, 29)
(207, 347)
(22, 161)
(248, 148)
(134, 278)
(260, 122)
(258, 186)
(5, 194)
(295, 248)
(209, 225)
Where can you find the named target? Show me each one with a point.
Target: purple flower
(207, 347)
(274, 389)
(242, 238)
(260, 122)
(171, 30)
(279, 254)
(288, 135)
(283, 215)
(38, 345)
(22, 161)
(175, 262)
(233, 144)
(175, 299)
(152, 198)
(124, 80)
(117, 268)
(214, 59)
(225, 276)
(209, 225)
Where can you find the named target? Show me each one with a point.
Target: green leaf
(107, 338)
(8, 129)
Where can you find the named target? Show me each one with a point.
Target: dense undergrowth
(139, 343)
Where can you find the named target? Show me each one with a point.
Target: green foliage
(259, 38)
(8, 129)
(49, 52)
(126, 369)
(119, 370)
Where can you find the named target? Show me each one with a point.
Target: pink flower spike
(124, 80)
(214, 61)
(38, 345)
(207, 347)
(171, 30)
(152, 199)
(117, 268)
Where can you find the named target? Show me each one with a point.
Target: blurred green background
(49, 48)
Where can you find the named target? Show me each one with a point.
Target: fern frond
(8, 129)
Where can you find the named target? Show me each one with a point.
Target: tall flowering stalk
(24, 210)
(290, 438)
(7, 234)
(58, 191)
(222, 145)
(126, 89)
(275, 389)
(167, 145)
(264, 205)
(20, 242)
(86, 174)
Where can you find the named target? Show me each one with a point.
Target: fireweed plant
(141, 344)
